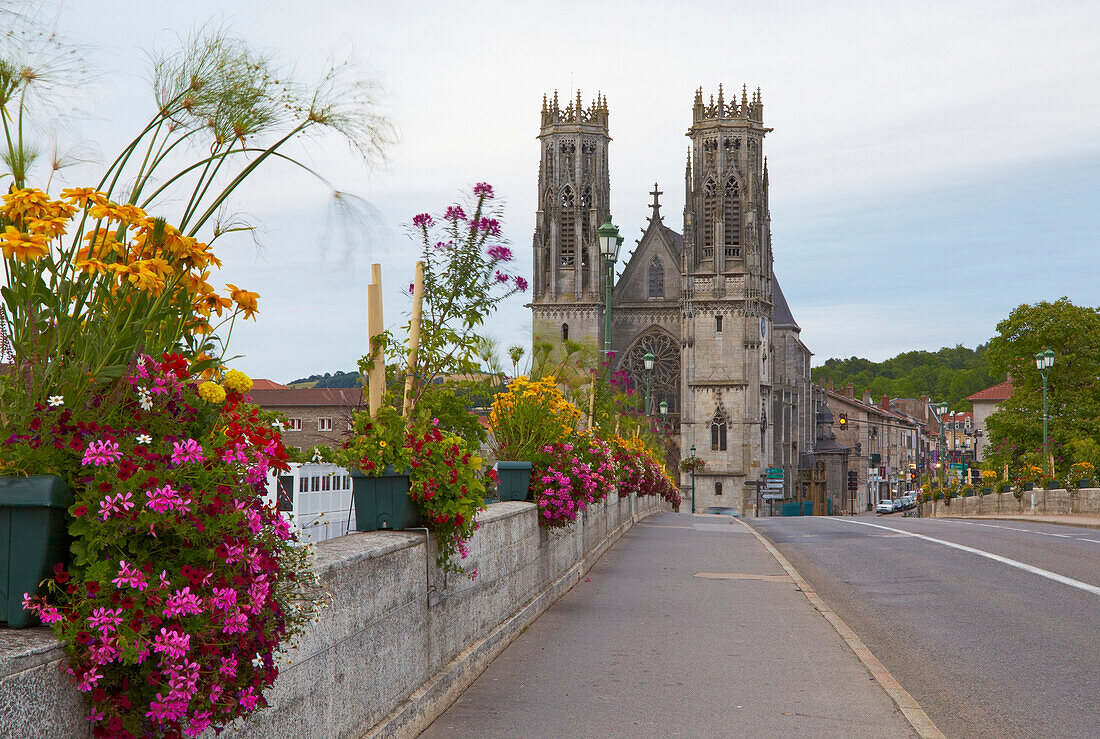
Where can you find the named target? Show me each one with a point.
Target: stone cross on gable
(656, 205)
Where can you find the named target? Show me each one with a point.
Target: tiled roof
(350, 397)
(782, 317)
(1003, 391)
(260, 383)
(676, 238)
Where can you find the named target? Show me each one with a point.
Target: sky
(932, 165)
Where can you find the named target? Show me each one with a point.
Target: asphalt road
(987, 647)
(686, 627)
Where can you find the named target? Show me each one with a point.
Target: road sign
(957, 466)
(774, 485)
(772, 496)
(774, 473)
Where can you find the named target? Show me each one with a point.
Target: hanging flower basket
(513, 480)
(34, 527)
(382, 502)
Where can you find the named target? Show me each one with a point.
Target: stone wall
(399, 642)
(1047, 502)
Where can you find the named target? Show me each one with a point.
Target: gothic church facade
(730, 364)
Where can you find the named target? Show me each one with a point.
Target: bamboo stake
(592, 403)
(414, 336)
(376, 379)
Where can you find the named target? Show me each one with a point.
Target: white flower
(56, 400)
(278, 425)
(145, 398)
(144, 439)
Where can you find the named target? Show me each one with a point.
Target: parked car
(720, 510)
(885, 506)
(908, 502)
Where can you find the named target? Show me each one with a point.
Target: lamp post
(1044, 360)
(663, 406)
(940, 410)
(693, 478)
(648, 361)
(610, 241)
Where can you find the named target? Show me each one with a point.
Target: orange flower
(92, 266)
(244, 299)
(81, 195)
(212, 302)
(23, 247)
(27, 202)
(48, 227)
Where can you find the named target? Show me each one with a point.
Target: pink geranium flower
(100, 453)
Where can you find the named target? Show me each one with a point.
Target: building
(890, 449)
(315, 416)
(730, 363)
(985, 404)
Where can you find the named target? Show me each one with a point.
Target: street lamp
(610, 241)
(648, 361)
(940, 409)
(693, 478)
(1044, 360)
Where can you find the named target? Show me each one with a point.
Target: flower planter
(1006, 488)
(513, 480)
(1051, 486)
(34, 536)
(1084, 482)
(382, 502)
(987, 491)
(1029, 486)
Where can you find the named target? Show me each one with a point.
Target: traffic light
(843, 421)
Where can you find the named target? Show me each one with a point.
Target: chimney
(885, 402)
(867, 397)
(850, 391)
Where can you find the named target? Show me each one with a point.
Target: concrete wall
(1046, 502)
(399, 641)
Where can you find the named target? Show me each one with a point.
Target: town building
(985, 404)
(315, 416)
(730, 363)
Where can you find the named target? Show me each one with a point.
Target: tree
(1073, 333)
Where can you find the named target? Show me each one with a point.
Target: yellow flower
(48, 227)
(81, 195)
(29, 202)
(212, 392)
(92, 266)
(382, 443)
(246, 300)
(23, 247)
(237, 381)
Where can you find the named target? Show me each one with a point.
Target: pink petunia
(101, 453)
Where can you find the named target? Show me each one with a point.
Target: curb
(905, 702)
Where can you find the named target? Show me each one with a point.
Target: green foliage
(951, 374)
(1073, 398)
(337, 380)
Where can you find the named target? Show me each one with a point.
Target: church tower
(727, 299)
(574, 199)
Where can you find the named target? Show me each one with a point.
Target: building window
(731, 216)
(324, 424)
(568, 222)
(325, 483)
(294, 424)
(710, 208)
(718, 324)
(718, 489)
(656, 279)
(718, 433)
(565, 332)
(316, 484)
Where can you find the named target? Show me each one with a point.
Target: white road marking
(989, 555)
(1013, 528)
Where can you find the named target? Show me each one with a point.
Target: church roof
(676, 238)
(783, 318)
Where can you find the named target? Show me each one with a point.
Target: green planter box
(1006, 488)
(1051, 486)
(34, 536)
(382, 502)
(1029, 486)
(987, 491)
(1084, 483)
(514, 480)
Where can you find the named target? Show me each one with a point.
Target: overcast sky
(932, 165)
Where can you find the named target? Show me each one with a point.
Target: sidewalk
(1087, 522)
(687, 627)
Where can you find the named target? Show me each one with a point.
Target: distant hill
(950, 375)
(329, 380)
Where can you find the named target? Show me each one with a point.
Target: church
(730, 363)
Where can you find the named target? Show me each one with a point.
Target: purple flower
(521, 284)
(501, 277)
(187, 451)
(483, 189)
(489, 225)
(500, 253)
(455, 213)
(423, 220)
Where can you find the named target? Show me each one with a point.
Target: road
(993, 626)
